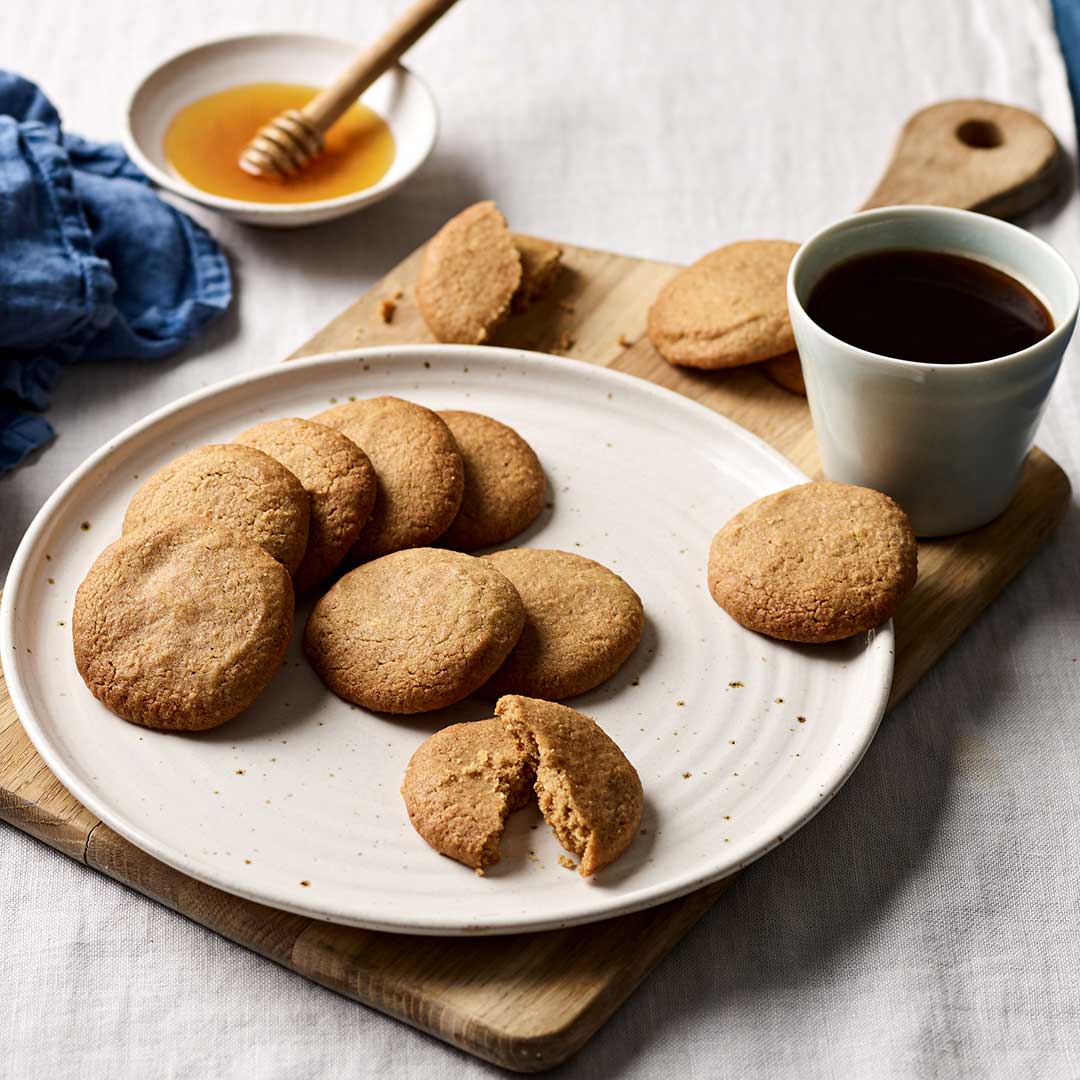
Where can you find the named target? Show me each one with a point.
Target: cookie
(339, 481)
(236, 486)
(541, 261)
(462, 784)
(468, 275)
(786, 371)
(582, 622)
(504, 483)
(588, 792)
(420, 474)
(814, 563)
(180, 626)
(414, 631)
(728, 308)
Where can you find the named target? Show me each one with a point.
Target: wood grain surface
(529, 1001)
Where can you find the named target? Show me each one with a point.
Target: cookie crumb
(779, 701)
(680, 703)
(801, 719)
(85, 526)
(306, 883)
(736, 685)
(567, 863)
(387, 307)
(52, 581)
(624, 341)
(686, 775)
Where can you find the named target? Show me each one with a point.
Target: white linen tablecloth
(926, 923)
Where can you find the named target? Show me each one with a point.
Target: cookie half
(462, 784)
(588, 791)
(582, 622)
(468, 275)
(181, 626)
(236, 486)
(414, 631)
(727, 309)
(418, 466)
(340, 483)
(504, 482)
(814, 563)
(541, 261)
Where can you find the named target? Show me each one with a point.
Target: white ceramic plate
(399, 97)
(738, 739)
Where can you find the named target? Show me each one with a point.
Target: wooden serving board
(529, 1001)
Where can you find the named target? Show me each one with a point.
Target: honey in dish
(204, 141)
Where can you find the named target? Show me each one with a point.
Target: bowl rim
(184, 189)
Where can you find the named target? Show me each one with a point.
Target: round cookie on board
(814, 563)
(180, 626)
(414, 631)
(727, 309)
(418, 466)
(468, 275)
(232, 485)
(504, 482)
(338, 478)
(582, 622)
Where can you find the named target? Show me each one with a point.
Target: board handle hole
(980, 134)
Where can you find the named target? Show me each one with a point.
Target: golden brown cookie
(814, 563)
(728, 308)
(541, 261)
(462, 784)
(582, 622)
(468, 275)
(236, 486)
(504, 483)
(588, 792)
(180, 626)
(418, 466)
(339, 481)
(414, 631)
(786, 371)
(464, 781)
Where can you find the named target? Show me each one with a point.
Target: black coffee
(928, 307)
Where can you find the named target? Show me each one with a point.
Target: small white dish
(400, 97)
(739, 739)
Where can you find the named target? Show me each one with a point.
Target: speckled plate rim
(142, 837)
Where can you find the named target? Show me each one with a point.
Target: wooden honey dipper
(288, 142)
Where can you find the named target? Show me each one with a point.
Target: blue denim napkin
(93, 265)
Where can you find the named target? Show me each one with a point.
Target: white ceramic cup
(947, 441)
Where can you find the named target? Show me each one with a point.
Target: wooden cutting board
(530, 1001)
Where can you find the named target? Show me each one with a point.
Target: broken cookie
(464, 782)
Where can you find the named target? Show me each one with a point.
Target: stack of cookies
(182, 622)
(475, 273)
(729, 309)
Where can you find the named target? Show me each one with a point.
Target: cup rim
(1062, 329)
